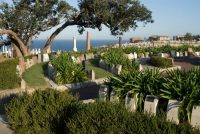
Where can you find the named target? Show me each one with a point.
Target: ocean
(67, 45)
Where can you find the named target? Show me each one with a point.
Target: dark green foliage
(160, 62)
(38, 113)
(67, 70)
(8, 75)
(112, 118)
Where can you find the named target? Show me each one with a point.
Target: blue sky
(170, 17)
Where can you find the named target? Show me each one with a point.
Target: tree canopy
(118, 15)
(24, 19)
(27, 18)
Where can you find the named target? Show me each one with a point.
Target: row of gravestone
(27, 63)
(151, 106)
(115, 69)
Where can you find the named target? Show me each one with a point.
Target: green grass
(99, 72)
(34, 76)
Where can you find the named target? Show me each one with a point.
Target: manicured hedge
(39, 113)
(50, 111)
(160, 62)
(8, 75)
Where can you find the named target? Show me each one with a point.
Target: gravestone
(34, 59)
(162, 55)
(185, 53)
(23, 84)
(102, 64)
(51, 71)
(173, 53)
(195, 117)
(141, 55)
(45, 58)
(92, 75)
(130, 103)
(181, 54)
(140, 67)
(39, 58)
(103, 92)
(130, 56)
(118, 69)
(197, 53)
(147, 55)
(135, 55)
(112, 68)
(89, 56)
(177, 54)
(80, 58)
(73, 58)
(113, 97)
(172, 110)
(190, 50)
(151, 104)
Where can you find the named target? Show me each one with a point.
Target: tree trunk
(28, 44)
(14, 35)
(48, 44)
(18, 52)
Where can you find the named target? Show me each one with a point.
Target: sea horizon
(67, 44)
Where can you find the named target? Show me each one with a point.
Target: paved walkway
(3, 125)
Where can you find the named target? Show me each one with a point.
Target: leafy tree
(118, 15)
(188, 37)
(24, 19)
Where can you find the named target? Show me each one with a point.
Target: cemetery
(139, 80)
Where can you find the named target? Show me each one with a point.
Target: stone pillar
(120, 41)
(74, 44)
(88, 42)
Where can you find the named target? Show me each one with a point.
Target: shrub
(160, 62)
(114, 118)
(116, 56)
(40, 112)
(8, 74)
(67, 70)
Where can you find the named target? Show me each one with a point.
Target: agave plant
(184, 87)
(145, 83)
(121, 84)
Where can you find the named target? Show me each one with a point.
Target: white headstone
(74, 44)
(36, 51)
(151, 104)
(135, 55)
(130, 103)
(172, 110)
(39, 51)
(45, 57)
(185, 53)
(130, 56)
(197, 53)
(177, 54)
(118, 69)
(73, 58)
(195, 117)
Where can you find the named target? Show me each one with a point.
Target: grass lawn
(34, 76)
(99, 72)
